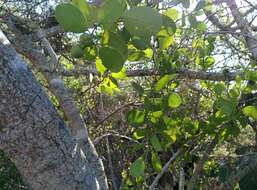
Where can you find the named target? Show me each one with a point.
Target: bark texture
(32, 134)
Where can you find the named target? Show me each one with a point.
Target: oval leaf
(111, 10)
(156, 143)
(142, 21)
(137, 168)
(70, 18)
(250, 111)
(111, 59)
(174, 100)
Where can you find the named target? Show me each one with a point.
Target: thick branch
(32, 134)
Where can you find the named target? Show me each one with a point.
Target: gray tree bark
(32, 134)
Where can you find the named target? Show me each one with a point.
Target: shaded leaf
(156, 143)
(137, 168)
(111, 59)
(142, 21)
(70, 18)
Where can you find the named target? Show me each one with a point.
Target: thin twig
(164, 169)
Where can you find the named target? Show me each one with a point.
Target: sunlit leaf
(136, 117)
(174, 100)
(139, 133)
(171, 13)
(250, 111)
(156, 162)
(120, 75)
(99, 66)
(163, 81)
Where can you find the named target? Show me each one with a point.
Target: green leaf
(226, 107)
(120, 75)
(250, 111)
(156, 143)
(139, 133)
(85, 9)
(136, 117)
(116, 41)
(156, 162)
(99, 66)
(193, 21)
(140, 43)
(142, 21)
(169, 24)
(219, 88)
(86, 40)
(171, 133)
(137, 168)
(90, 54)
(209, 61)
(174, 100)
(111, 59)
(77, 51)
(135, 55)
(70, 18)
(163, 81)
(171, 13)
(133, 3)
(111, 10)
(165, 42)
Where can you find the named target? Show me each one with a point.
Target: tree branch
(164, 169)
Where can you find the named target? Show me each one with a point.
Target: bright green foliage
(171, 13)
(250, 111)
(142, 21)
(174, 100)
(136, 117)
(164, 81)
(137, 168)
(156, 162)
(74, 21)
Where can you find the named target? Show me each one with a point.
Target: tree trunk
(32, 134)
